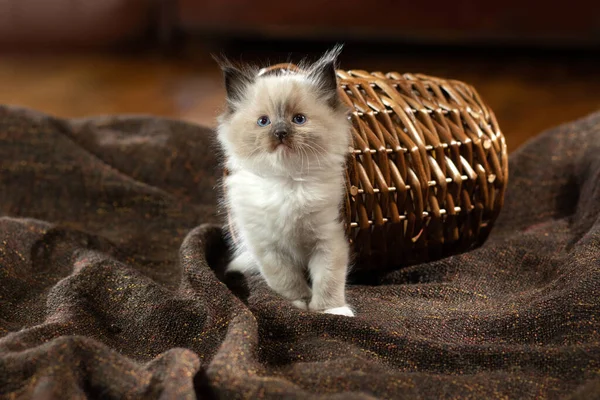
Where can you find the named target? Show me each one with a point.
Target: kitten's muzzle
(280, 133)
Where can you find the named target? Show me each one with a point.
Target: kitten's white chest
(279, 212)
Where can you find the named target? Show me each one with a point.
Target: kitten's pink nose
(280, 134)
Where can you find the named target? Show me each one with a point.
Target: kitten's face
(285, 124)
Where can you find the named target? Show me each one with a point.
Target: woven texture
(109, 284)
(428, 171)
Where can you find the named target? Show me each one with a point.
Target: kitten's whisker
(316, 155)
(319, 146)
(301, 151)
(315, 152)
(307, 160)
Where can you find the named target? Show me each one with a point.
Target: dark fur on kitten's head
(237, 77)
(284, 121)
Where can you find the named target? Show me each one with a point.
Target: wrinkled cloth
(111, 282)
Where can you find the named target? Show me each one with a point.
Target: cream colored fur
(284, 198)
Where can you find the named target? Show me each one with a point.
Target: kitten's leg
(243, 262)
(285, 278)
(328, 266)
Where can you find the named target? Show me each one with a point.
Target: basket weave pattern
(427, 169)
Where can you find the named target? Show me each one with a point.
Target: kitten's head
(284, 123)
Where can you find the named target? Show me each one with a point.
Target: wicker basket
(427, 170)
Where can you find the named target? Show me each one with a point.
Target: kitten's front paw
(242, 263)
(345, 310)
(301, 304)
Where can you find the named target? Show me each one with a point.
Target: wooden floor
(529, 92)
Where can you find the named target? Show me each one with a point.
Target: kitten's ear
(323, 73)
(236, 80)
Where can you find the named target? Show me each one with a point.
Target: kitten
(286, 138)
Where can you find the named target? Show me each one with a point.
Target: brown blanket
(109, 282)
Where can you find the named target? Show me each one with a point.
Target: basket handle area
(284, 67)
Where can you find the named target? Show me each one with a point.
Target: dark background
(536, 63)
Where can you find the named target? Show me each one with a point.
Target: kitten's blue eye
(263, 121)
(299, 119)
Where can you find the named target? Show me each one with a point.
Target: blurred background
(536, 63)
